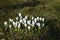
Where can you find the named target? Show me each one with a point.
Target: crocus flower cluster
(20, 20)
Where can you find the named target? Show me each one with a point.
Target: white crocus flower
(24, 20)
(14, 24)
(19, 25)
(28, 27)
(32, 18)
(38, 24)
(35, 20)
(5, 23)
(17, 18)
(25, 25)
(19, 14)
(21, 21)
(28, 22)
(10, 26)
(33, 23)
(42, 19)
(11, 20)
(26, 17)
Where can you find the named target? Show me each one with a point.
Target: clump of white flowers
(20, 20)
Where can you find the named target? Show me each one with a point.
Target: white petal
(28, 27)
(5, 23)
(19, 14)
(32, 18)
(17, 18)
(42, 19)
(26, 17)
(10, 26)
(25, 24)
(18, 25)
